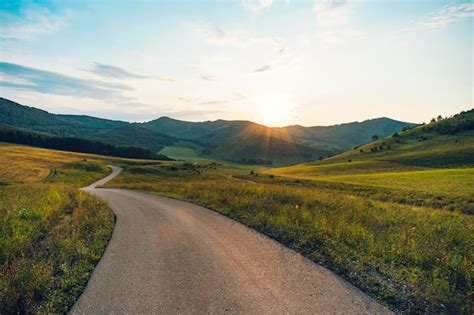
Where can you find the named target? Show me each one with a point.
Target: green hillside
(431, 164)
(134, 135)
(344, 136)
(245, 140)
(266, 150)
(93, 122)
(231, 141)
(74, 144)
(17, 115)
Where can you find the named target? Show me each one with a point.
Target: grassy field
(421, 166)
(51, 234)
(186, 152)
(414, 258)
(394, 217)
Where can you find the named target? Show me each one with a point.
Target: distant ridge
(238, 141)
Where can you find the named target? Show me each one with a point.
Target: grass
(51, 234)
(393, 217)
(418, 166)
(183, 151)
(414, 258)
(443, 182)
(188, 152)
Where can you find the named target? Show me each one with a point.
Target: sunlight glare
(274, 110)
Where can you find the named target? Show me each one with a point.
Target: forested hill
(36, 139)
(236, 140)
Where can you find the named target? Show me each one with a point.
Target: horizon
(277, 63)
(217, 119)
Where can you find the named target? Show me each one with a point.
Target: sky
(274, 62)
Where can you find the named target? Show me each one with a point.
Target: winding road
(168, 257)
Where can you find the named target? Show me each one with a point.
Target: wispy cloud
(444, 16)
(31, 22)
(333, 21)
(256, 5)
(262, 68)
(214, 102)
(48, 82)
(208, 78)
(332, 12)
(215, 35)
(115, 72)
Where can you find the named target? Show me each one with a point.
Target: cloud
(262, 68)
(444, 16)
(48, 82)
(115, 72)
(214, 102)
(30, 23)
(332, 12)
(333, 18)
(256, 5)
(215, 35)
(119, 73)
(208, 78)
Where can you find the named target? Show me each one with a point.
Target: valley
(397, 222)
(234, 142)
(394, 217)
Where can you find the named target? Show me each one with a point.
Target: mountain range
(236, 140)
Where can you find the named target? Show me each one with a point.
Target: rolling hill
(235, 141)
(244, 140)
(93, 122)
(74, 144)
(134, 135)
(432, 164)
(17, 115)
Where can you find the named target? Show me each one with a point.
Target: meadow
(51, 234)
(413, 258)
(394, 217)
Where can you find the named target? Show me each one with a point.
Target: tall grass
(416, 259)
(51, 234)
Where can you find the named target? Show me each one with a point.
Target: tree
(440, 118)
(432, 120)
(375, 138)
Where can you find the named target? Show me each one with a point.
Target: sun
(274, 110)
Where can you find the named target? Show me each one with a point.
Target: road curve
(168, 256)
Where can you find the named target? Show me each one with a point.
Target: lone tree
(375, 138)
(432, 120)
(440, 118)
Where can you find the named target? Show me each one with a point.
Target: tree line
(19, 136)
(459, 122)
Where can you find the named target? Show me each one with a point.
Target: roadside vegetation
(398, 223)
(51, 234)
